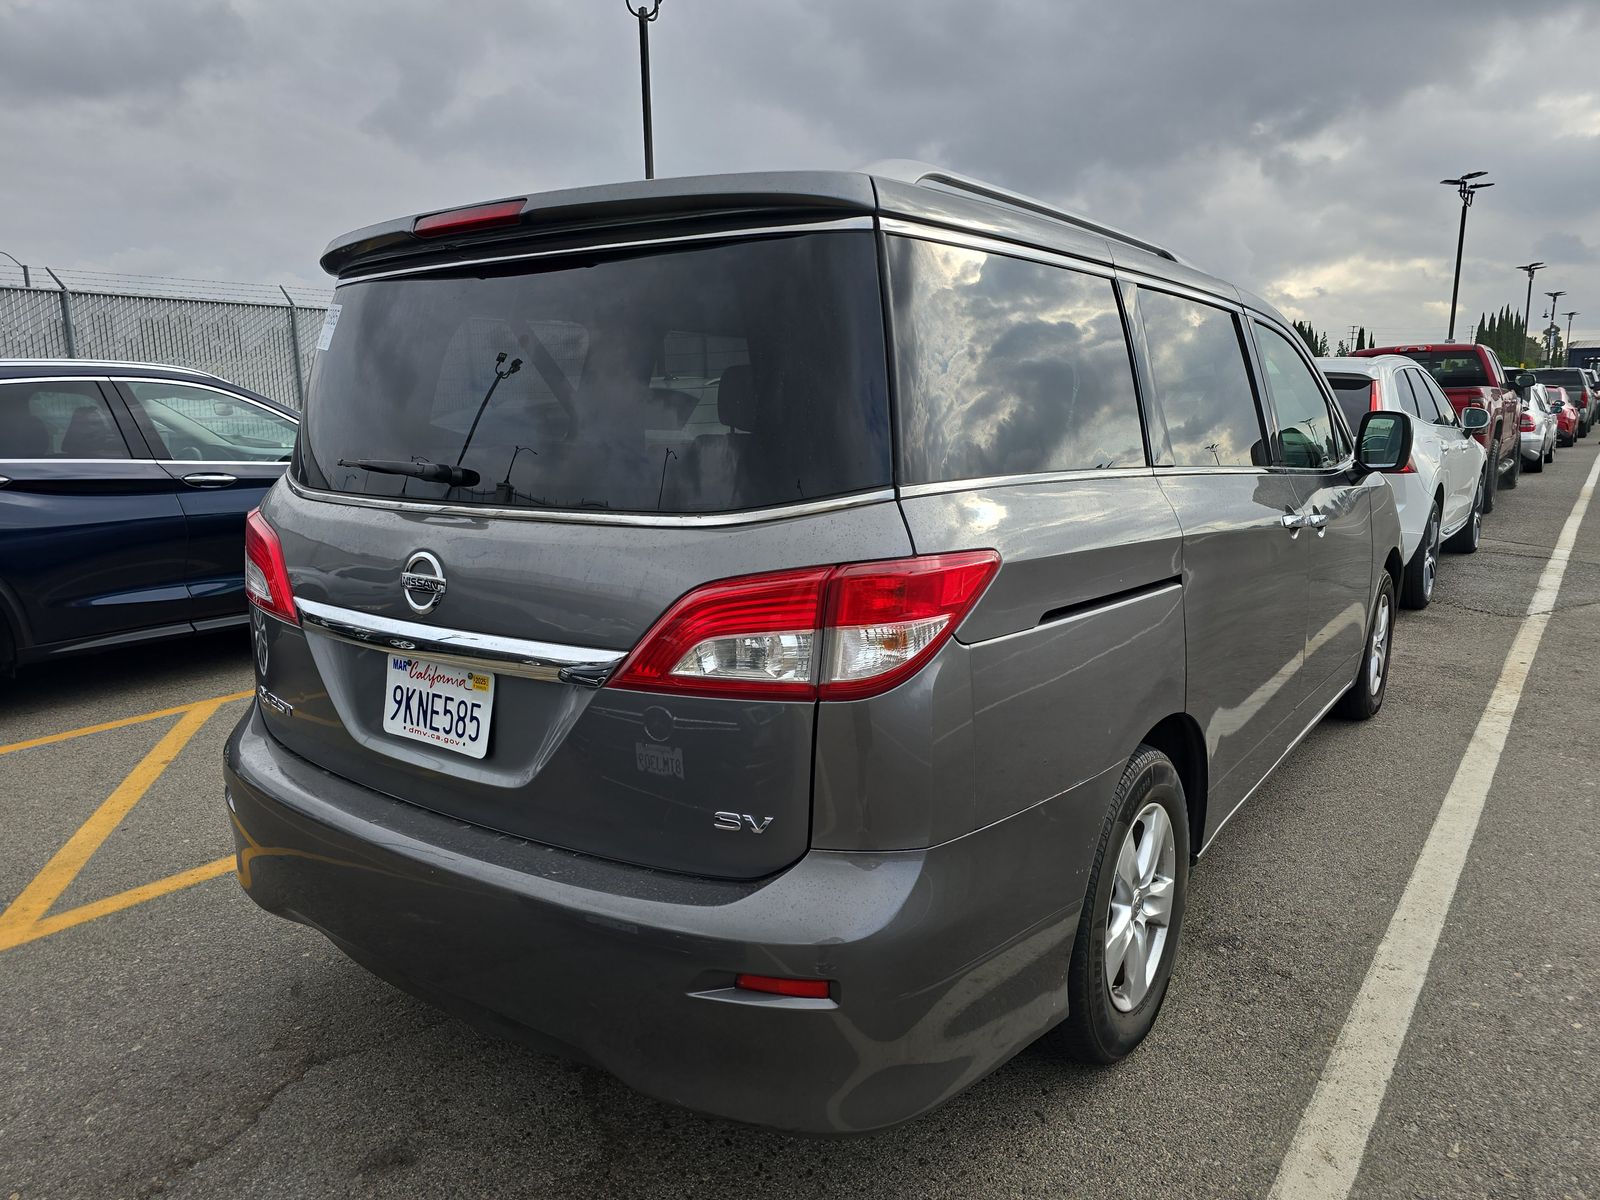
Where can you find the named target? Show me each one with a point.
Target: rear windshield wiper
(418, 469)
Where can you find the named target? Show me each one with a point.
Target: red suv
(1472, 377)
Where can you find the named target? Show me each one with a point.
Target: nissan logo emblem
(422, 581)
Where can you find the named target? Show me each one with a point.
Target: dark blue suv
(123, 493)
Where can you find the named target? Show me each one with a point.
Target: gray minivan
(784, 638)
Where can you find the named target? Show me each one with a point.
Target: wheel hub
(1141, 907)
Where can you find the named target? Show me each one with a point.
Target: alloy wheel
(1141, 907)
(1430, 553)
(1378, 650)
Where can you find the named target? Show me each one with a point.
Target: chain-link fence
(260, 337)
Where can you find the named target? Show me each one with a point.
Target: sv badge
(735, 822)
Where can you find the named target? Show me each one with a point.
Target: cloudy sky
(1291, 145)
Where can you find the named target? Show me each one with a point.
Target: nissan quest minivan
(785, 638)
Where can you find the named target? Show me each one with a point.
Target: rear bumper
(945, 961)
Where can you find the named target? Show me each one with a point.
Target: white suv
(1440, 492)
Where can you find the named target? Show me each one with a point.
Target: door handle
(1314, 520)
(1295, 521)
(208, 479)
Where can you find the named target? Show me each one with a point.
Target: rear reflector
(464, 220)
(814, 989)
(830, 633)
(266, 578)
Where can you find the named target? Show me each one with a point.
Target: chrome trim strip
(901, 227)
(859, 222)
(544, 661)
(190, 463)
(1292, 747)
(749, 516)
(1235, 470)
(996, 481)
(82, 462)
(52, 378)
(209, 387)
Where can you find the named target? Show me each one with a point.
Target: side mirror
(1383, 443)
(1524, 380)
(1474, 418)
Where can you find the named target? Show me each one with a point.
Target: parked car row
(784, 638)
(1477, 428)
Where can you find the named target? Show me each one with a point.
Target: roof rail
(109, 362)
(921, 174)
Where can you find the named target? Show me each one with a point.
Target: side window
(63, 419)
(1203, 397)
(1444, 413)
(1008, 367)
(198, 424)
(1307, 435)
(1408, 390)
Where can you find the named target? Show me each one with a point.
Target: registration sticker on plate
(441, 705)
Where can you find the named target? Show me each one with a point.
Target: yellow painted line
(35, 900)
(121, 723)
(10, 938)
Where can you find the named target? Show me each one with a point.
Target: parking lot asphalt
(159, 1036)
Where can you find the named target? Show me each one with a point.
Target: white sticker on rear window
(325, 338)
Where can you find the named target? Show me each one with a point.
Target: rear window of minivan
(675, 380)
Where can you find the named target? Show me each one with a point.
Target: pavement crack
(186, 1163)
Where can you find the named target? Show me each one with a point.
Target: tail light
(1374, 399)
(1527, 423)
(829, 633)
(266, 578)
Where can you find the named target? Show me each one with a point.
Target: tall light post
(1467, 191)
(1527, 309)
(645, 14)
(1551, 330)
(27, 280)
(1569, 317)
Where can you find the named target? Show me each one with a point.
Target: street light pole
(1569, 317)
(646, 14)
(1552, 330)
(27, 280)
(1467, 191)
(1527, 309)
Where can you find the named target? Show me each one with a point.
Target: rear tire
(1416, 588)
(1365, 697)
(1465, 540)
(1491, 482)
(8, 650)
(1534, 465)
(1140, 879)
(1550, 454)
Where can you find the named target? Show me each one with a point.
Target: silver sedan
(1538, 429)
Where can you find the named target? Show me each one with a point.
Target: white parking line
(1332, 1136)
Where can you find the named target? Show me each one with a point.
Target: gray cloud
(1294, 146)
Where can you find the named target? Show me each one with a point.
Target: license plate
(441, 705)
